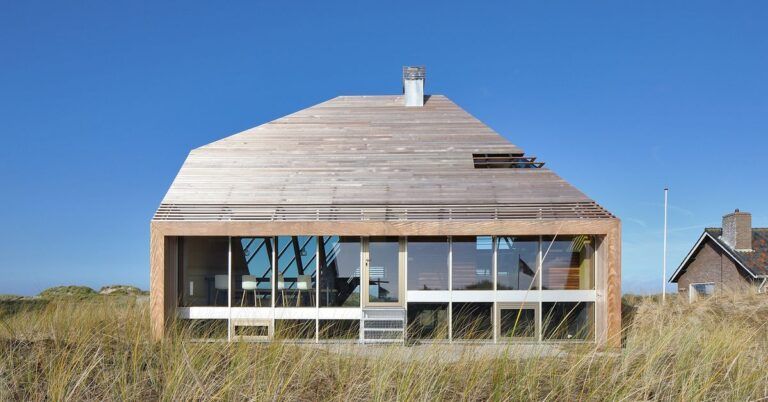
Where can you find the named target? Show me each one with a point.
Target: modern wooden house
(390, 217)
(732, 257)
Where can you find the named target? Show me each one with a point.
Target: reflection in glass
(472, 321)
(517, 323)
(339, 329)
(294, 329)
(202, 329)
(383, 270)
(252, 271)
(568, 320)
(427, 263)
(472, 263)
(296, 262)
(428, 320)
(340, 271)
(568, 263)
(516, 262)
(203, 277)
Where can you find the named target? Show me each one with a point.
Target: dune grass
(99, 349)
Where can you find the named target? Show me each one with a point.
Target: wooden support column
(614, 286)
(608, 286)
(161, 281)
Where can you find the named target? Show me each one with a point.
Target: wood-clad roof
(364, 150)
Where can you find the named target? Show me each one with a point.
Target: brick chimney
(737, 230)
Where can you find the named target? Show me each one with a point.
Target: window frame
(693, 293)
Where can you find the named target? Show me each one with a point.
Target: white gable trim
(705, 235)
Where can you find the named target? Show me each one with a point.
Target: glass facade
(295, 329)
(202, 329)
(428, 320)
(568, 320)
(339, 329)
(472, 320)
(296, 271)
(516, 262)
(428, 263)
(517, 323)
(252, 271)
(340, 259)
(330, 272)
(568, 263)
(383, 270)
(202, 277)
(472, 263)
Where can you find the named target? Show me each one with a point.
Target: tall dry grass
(99, 349)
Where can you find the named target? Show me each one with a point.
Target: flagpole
(664, 263)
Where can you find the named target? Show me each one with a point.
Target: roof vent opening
(505, 161)
(413, 85)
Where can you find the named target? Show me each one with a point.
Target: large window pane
(296, 279)
(427, 320)
(340, 271)
(472, 263)
(252, 271)
(518, 323)
(427, 263)
(202, 329)
(472, 321)
(516, 262)
(568, 263)
(340, 329)
(383, 270)
(568, 320)
(203, 277)
(294, 329)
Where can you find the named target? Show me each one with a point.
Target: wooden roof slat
(354, 150)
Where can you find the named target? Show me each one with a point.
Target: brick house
(734, 257)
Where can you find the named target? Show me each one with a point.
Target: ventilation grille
(383, 325)
(505, 161)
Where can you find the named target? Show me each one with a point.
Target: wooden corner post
(158, 305)
(608, 306)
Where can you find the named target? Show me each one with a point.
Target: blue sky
(101, 101)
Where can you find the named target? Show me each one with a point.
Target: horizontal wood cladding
(363, 150)
(394, 228)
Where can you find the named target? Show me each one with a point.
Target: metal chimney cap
(414, 72)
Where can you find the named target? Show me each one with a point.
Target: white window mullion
(540, 280)
(494, 269)
(450, 289)
(273, 279)
(229, 289)
(318, 241)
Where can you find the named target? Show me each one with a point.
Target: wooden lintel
(386, 228)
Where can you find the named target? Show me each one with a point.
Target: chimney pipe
(413, 85)
(737, 230)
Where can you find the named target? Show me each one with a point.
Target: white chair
(250, 283)
(281, 287)
(220, 283)
(304, 282)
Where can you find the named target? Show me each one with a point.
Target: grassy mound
(67, 291)
(121, 290)
(12, 304)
